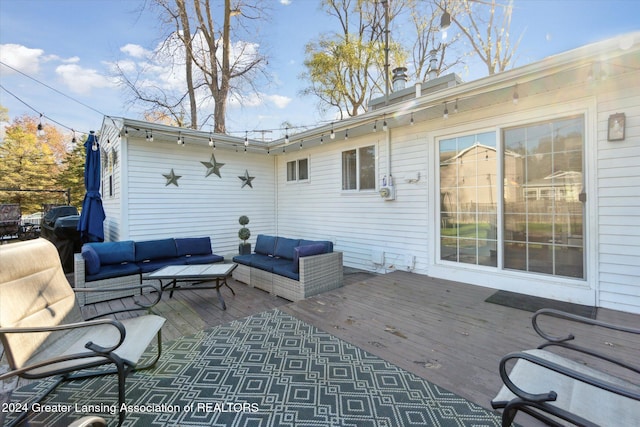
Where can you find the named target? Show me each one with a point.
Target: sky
(71, 46)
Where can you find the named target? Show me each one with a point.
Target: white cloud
(279, 101)
(285, 2)
(21, 58)
(135, 50)
(82, 80)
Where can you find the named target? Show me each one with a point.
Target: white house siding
(110, 141)
(618, 188)
(199, 205)
(360, 223)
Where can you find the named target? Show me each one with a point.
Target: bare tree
(485, 24)
(214, 68)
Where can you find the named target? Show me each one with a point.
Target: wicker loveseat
(113, 264)
(291, 268)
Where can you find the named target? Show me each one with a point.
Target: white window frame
(358, 188)
(297, 170)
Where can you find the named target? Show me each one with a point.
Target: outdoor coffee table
(198, 273)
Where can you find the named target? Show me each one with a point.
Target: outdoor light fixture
(180, 141)
(384, 125)
(321, 139)
(411, 122)
(445, 23)
(446, 112)
(286, 135)
(375, 126)
(301, 143)
(246, 140)
(332, 135)
(211, 143)
(346, 134)
(40, 130)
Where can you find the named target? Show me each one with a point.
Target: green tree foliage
(347, 67)
(72, 173)
(29, 162)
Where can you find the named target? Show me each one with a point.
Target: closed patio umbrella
(92, 215)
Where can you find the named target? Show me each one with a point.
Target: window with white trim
(359, 168)
(298, 170)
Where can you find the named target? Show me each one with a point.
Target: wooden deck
(440, 330)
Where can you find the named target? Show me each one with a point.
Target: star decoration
(246, 179)
(213, 166)
(172, 178)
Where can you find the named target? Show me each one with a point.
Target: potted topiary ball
(244, 248)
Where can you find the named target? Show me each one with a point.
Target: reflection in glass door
(543, 214)
(468, 199)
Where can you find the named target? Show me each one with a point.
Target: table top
(194, 271)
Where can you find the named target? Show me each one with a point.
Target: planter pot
(244, 248)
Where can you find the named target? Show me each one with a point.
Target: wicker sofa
(114, 264)
(290, 268)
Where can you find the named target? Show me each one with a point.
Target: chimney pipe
(433, 64)
(399, 78)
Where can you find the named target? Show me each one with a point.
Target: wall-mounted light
(616, 127)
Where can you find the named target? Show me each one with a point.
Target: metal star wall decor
(213, 166)
(172, 178)
(246, 179)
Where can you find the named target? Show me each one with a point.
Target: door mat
(533, 304)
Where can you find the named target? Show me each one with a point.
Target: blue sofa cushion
(265, 245)
(286, 270)
(201, 259)
(91, 259)
(113, 270)
(328, 244)
(193, 246)
(148, 266)
(308, 250)
(243, 259)
(114, 252)
(285, 247)
(155, 249)
(268, 263)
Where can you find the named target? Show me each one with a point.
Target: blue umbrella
(92, 216)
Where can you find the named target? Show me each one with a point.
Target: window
(298, 170)
(468, 199)
(359, 169)
(536, 197)
(544, 234)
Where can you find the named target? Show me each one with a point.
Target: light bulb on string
(332, 135)
(40, 130)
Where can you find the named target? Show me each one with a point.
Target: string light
(346, 134)
(375, 126)
(211, 143)
(246, 141)
(516, 97)
(301, 143)
(455, 107)
(40, 130)
(446, 112)
(411, 122)
(286, 135)
(180, 140)
(74, 140)
(332, 135)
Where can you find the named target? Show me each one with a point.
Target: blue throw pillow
(91, 259)
(303, 251)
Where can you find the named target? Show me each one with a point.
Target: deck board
(442, 331)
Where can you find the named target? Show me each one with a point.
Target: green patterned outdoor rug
(270, 369)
